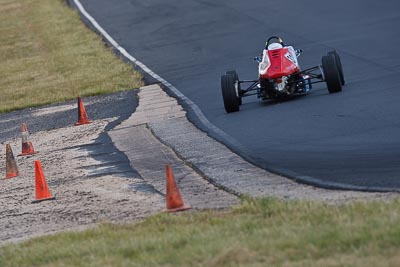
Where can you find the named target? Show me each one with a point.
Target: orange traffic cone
(41, 189)
(27, 147)
(174, 199)
(11, 164)
(82, 116)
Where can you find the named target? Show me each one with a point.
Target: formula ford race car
(279, 76)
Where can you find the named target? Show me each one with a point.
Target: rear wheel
(339, 65)
(237, 84)
(331, 74)
(229, 94)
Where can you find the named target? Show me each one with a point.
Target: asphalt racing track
(351, 138)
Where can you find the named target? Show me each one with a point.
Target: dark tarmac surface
(349, 138)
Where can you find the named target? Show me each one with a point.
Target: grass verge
(47, 55)
(266, 232)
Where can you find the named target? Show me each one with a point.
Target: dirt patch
(87, 190)
(8, 6)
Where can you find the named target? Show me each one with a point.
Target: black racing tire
(339, 65)
(236, 77)
(331, 74)
(229, 95)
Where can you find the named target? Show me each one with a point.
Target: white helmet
(274, 46)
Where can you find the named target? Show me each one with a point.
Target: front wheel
(229, 93)
(339, 65)
(331, 74)
(237, 84)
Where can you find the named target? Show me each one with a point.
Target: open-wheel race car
(280, 76)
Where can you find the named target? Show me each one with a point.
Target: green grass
(266, 232)
(47, 55)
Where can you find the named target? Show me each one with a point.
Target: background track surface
(350, 138)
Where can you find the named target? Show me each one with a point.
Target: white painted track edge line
(178, 93)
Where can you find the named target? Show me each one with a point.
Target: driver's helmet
(274, 46)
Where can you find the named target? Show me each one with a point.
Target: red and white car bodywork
(277, 63)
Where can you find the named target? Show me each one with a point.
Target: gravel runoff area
(114, 168)
(92, 180)
(83, 195)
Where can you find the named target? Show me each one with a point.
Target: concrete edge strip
(194, 167)
(306, 180)
(201, 117)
